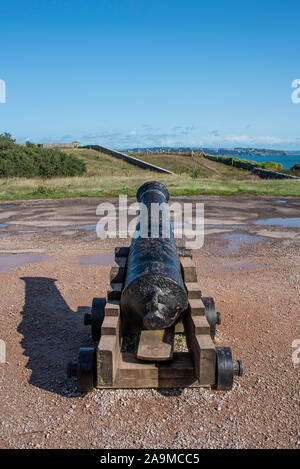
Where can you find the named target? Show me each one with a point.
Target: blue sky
(151, 72)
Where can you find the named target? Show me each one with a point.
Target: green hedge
(32, 161)
(271, 165)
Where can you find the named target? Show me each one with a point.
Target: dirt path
(48, 282)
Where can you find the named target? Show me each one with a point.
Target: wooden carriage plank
(201, 325)
(197, 307)
(207, 359)
(180, 360)
(132, 383)
(136, 374)
(105, 359)
(193, 290)
(156, 345)
(188, 269)
(112, 308)
(159, 383)
(110, 325)
(108, 357)
(201, 348)
(180, 366)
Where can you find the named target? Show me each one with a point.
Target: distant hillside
(237, 151)
(196, 166)
(248, 152)
(100, 164)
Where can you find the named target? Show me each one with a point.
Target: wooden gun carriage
(154, 295)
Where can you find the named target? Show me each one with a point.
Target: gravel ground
(252, 270)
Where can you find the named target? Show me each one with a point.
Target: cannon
(154, 296)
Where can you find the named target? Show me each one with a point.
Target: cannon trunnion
(154, 295)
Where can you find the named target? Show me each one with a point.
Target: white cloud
(179, 137)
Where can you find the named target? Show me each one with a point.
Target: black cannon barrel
(154, 294)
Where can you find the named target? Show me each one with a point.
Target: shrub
(194, 172)
(31, 161)
(271, 165)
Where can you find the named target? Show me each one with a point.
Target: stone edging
(128, 159)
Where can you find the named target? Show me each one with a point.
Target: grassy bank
(198, 166)
(94, 186)
(100, 164)
(107, 176)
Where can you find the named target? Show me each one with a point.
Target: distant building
(60, 145)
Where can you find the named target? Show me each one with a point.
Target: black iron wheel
(210, 314)
(86, 369)
(224, 369)
(96, 317)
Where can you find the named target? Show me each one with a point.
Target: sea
(287, 161)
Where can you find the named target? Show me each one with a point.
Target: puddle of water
(284, 222)
(281, 201)
(10, 261)
(97, 259)
(7, 205)
(234, 227)
(24, 228)
(178, 224)
(74, 227)
(237, 240)
(34, 229)
(2, 235)
(85, 227)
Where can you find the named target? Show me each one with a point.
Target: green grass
(108, 176)
(198, 166)
(17, 189)
(100, 164)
